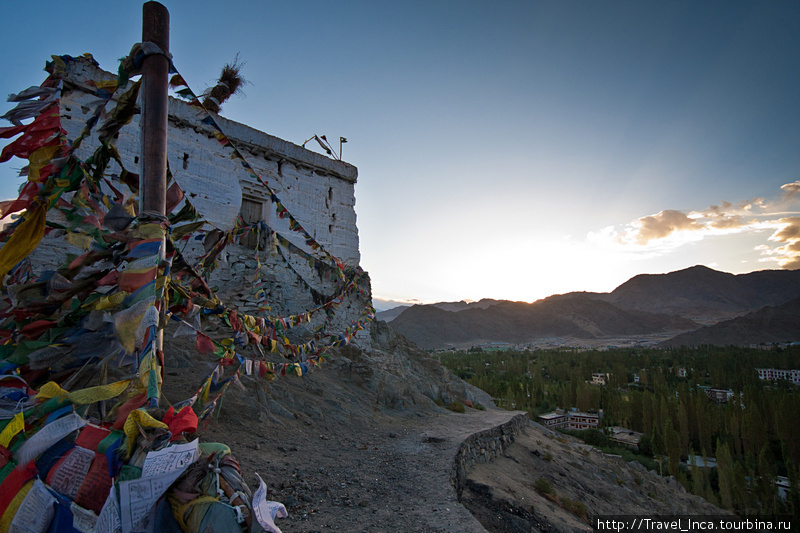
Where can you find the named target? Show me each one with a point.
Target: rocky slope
(585, 483)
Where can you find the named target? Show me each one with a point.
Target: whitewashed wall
(317, 190)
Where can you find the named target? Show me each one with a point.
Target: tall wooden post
(155, 79)
(153, 175)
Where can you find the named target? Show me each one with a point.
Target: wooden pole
(155, 79)
(155, 113)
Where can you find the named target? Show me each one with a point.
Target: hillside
(360, 445)
(576, 315)
(779, 324)
(501, 494)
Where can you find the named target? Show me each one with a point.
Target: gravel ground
(393, 475)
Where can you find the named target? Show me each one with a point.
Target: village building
(598, 378)
(719, 395)
(701, 462)
(574, 419)
(773, 374)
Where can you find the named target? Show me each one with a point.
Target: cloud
(670, 229)
(725, 216)
(791, 189)
(788, 254)
(789, 232)
(662, 225)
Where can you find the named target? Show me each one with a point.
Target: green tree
(725, 472)
(765, 482)
(672, 443)
(739, 488)
(704, 426)
(647, 413)
(683, 427)
(754, 431)
(637, 421)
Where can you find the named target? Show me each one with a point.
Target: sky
(510, 149)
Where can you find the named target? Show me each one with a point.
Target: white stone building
(774, 374)
(318, 191)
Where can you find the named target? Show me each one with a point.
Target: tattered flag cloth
(266, 512)
(42, 132)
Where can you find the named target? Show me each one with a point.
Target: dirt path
(391, 476)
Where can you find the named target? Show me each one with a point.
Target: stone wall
(318, 191)
(483, 446)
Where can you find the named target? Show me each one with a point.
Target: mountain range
(694, 306)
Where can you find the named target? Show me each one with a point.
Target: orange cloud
(662, 225)
(787, 255)
(753, 215)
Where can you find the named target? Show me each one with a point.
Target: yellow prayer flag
(15, 425)
(51, 389)
(99, 393)
(148, 363)
(59, 66)
(107, 302)
(24, 239)
(81, 240)
(13, 507)
(40, 158)
(136, 419)
(108, 85)
(205, 391)
(250, 322)
(149, 231)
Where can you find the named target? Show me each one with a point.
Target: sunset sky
(508, 150)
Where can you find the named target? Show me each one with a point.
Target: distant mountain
(647, 304)
(704, 294)
(393, 313)
(576, 316)
(464, 304)
(767, 325)
(381, 304)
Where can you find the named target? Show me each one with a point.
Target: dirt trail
(391, 476)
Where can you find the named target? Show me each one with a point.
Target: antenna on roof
(323, 142)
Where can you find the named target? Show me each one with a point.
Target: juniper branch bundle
(230, 82)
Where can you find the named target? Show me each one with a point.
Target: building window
(252, 211)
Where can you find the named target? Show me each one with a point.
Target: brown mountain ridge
(646, 305)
